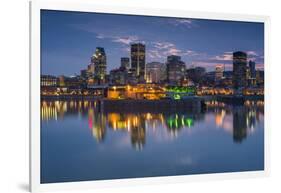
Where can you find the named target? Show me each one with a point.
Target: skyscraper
(248, 73)
(99, 61)
(89, 72)
(125, 63)
(154, 72)
(118, 76)
(252, 66)
(239, 69)
(91, 68)
(85, 74)
(138, 60)
(175, 69)
(196, 74)
(219, 72)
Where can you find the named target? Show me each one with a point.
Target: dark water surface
(79, 143)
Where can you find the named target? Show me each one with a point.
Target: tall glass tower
(99, 61)
(239, 69)
(138, 60)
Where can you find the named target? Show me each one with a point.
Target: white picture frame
(36, 6)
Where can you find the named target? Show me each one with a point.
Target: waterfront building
(70, 82)
(99, 61)
(118, 76)
(48, 81)
(154, 72)
(175, 69)
(139, 91)
(239, 69)
(125, 63)
(61, 81)
(138, 60)
(132, 78)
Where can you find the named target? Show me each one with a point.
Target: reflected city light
(239, 121)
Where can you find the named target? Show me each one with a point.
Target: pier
(192, 104)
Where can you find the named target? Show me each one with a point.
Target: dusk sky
(69, 39)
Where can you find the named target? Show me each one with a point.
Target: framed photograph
(123, 96)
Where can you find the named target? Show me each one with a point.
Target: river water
(79, 141)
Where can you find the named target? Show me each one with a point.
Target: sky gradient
(69, 39)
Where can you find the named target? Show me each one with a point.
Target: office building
(219, 72)
(118, 76)
(125, 63)
(154, 72)
(175, 69)
(196, 74)
(252, 66)
(99, 61)
(239, 69)
(138, 60)
(48, 81)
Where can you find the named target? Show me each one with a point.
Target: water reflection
(238, 121)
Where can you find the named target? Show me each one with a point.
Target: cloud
(226, 56)
(125, 40)
(189, 23)
(210, 65)
(172, 51)
(191, 53)
(163, 45)
(252, 53)
(100, 36)
(255, 56)
(184, 21)
(154, 54)
(160, 50)
(155, 49)
(227, 59)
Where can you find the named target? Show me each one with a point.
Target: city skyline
(131, 90)
(204, 43)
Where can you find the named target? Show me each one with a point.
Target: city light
(155, 81)
(149, 96)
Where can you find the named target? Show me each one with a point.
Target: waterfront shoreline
(206, 97)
